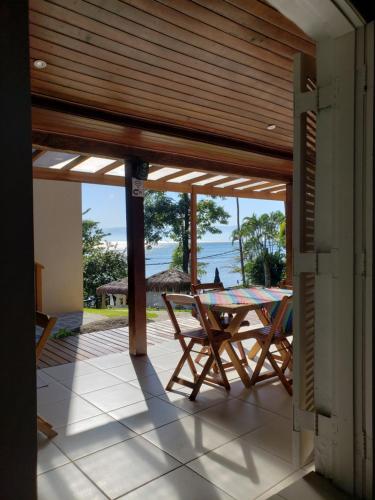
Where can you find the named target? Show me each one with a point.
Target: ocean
(220, 254)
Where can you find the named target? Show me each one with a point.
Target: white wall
(58, 243)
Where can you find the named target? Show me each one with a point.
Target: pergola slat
(159, 185)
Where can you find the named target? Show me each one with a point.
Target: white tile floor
(120, 435)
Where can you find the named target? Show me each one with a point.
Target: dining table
(237, 303)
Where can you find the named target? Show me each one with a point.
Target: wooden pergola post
(289, 233)
(193, 237)
(136, 258)
(18, 427)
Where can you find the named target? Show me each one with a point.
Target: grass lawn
(116, 312)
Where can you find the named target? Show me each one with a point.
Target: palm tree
(240, 243)
(261, 236)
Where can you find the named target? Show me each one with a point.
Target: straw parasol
(114, 287)
(171, 280)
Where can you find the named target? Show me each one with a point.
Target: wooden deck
(92, 345)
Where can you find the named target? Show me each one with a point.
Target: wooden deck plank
(90, 346)
(101, 343)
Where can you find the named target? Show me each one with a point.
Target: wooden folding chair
(218, 287)
(45, 324)
(204, 337)
(275, 334)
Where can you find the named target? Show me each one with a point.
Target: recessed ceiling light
(271, 126)
(39, 64)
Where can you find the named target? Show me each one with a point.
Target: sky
(107, 204)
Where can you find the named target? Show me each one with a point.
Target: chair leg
(259, 364)
(45, 428)
(280, 374)
(241, 350)
(189, 360)
(202, 376)
(254, 350)
(181, 363)
(216, 353)
(203, 352)
(237, 364)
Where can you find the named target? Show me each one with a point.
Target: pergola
(75, 167)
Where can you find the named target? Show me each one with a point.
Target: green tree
(167, 217)
(92, 235)
(101, 262)
(100, 267)
(254, 269)
(262, 237)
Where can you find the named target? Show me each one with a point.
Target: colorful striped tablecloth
(269, 298)
(256, 296)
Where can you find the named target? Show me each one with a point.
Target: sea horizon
(222, 255)
(118, 234)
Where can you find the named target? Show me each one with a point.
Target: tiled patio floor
(121, 435)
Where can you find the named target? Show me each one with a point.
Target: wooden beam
(136, 264)
(18, 429)
(111, 166)
(289, 233)
(281, 169)
(74, 163)
(71, 108)
(38, 153)
(193, 237)
(114, 180)
(204, 177)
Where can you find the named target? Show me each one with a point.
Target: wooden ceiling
(74, 167)
(221, 67)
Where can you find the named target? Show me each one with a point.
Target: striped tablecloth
(268, 298)
(255, 296)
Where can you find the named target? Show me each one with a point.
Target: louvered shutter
(304, 187)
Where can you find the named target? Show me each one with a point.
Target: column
(135, 170)
(193, 237)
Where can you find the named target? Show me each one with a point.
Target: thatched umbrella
(119, 287)
(171, 280)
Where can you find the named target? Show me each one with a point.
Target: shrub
(254, 270)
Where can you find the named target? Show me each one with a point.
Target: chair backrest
(171, 299)
(281, 315)
(178, 299)
(44, 325)
(206, 287)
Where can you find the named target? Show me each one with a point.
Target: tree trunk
(267, 271)
(240, 242)
(186, 235)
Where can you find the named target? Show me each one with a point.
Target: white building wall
(58, 244)
(154, 299)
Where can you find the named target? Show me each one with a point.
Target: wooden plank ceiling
(220, 67)
(74, 167)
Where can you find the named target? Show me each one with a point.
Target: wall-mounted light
(271, 126)
(40, 64)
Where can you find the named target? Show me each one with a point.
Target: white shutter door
(332, 245)
(324, 259)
